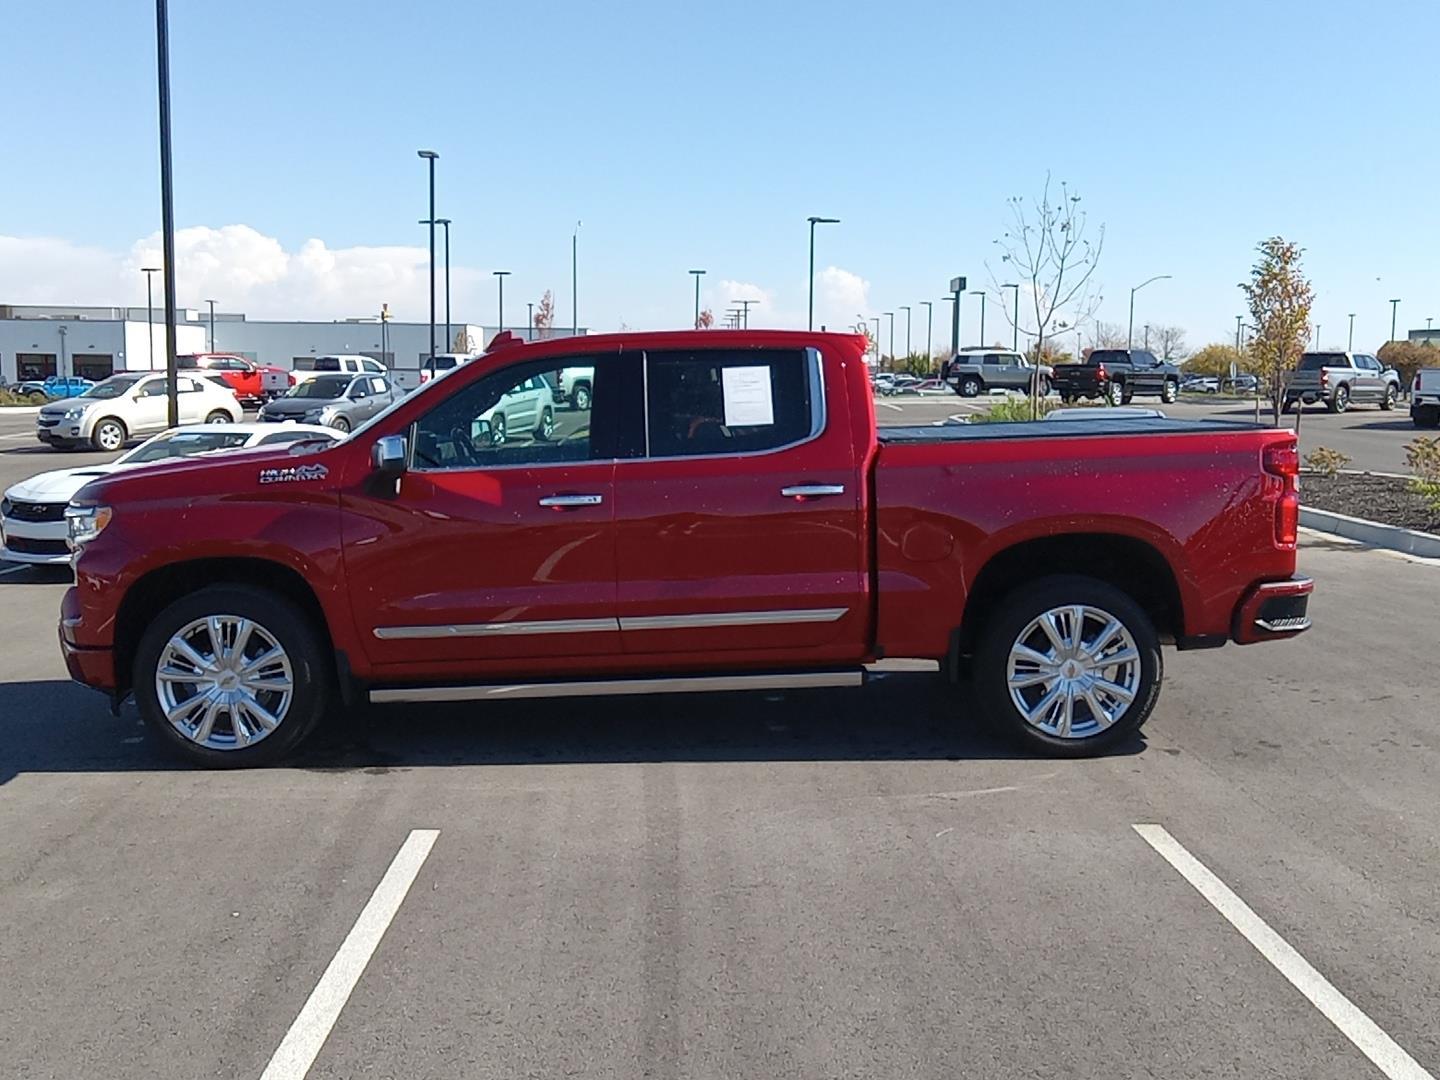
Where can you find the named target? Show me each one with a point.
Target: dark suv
(1118, 375)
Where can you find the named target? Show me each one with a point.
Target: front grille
(28, 511)
(27, 546)
(48, 421)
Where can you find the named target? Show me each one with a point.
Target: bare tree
(1050, 257)
(1106, 335)
(1168, 342)
(545, 314)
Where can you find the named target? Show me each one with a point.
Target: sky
(688, 136)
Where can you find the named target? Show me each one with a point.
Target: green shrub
(9, 397)
(1326, 462)
(1423, 457)
(1013, 409)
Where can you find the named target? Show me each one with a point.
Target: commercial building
(94, 342)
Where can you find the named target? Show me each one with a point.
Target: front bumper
(92, 666)
(1273, 611)
(42, 543)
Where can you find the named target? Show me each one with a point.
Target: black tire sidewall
(309, 660)
(224, 417)
(109, 421)
(1013, 613)
(970, 386)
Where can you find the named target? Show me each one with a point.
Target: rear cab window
(1314, 361)
(714, 401)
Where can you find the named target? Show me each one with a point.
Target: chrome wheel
(224, 682)
(1073, 671)
(110, 435)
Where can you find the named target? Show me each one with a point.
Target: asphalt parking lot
(813, 884)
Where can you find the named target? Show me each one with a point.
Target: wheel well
(153, 592)
(1131, 565)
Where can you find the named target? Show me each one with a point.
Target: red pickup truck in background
(724, 514)
(253, 383)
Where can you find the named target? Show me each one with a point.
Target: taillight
(1283, 460)
(1324, 378)
(1100, 372)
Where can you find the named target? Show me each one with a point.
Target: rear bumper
(1272, 611)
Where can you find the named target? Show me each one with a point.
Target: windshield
(325, 387)
(184, 444)
(113, 387)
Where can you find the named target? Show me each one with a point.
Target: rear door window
(711, 401)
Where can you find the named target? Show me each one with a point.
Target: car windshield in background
(114, 387)
(1313, 361)
(317, 363)
(1107, 356)
(325, 387)
(185, 443)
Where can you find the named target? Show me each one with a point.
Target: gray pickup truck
(1341, 379)
(974, 371)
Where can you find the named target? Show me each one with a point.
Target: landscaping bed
(1386, 499)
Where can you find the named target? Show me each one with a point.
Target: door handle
(568, 502)
(812, 491)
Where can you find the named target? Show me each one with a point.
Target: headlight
(86, 522)
(74, 414)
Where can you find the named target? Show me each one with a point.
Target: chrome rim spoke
(1074, 671)
(232, 698)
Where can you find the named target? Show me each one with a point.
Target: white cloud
(841, 297)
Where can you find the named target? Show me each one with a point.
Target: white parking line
(887, 405)
(1367, 1035)
(297, 1051)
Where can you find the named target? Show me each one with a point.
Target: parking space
(809, 884)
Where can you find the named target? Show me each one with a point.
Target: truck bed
(1034, 429)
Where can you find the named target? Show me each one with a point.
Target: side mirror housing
(389, 454)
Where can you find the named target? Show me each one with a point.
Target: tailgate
(1073, 375)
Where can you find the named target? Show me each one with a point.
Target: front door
(151, 409)
(490, 549)
(739, 527)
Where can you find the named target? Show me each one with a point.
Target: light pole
(445, 222)
(953, 298)
(430, 156)
(698, 275)
(957, 286)
(1238, 320)
(500, 276)
(1015, 323)
(891, 316)
(1394, 306)
(980, 293)
(929, 306)
(1350, 343)
(879, 360)
(575, 281)
(906, 309)
(150, 311)
(810, 320)
(1130, 330)
(61, 369)
(212, 324)
(1147, 335)
(530, 321)
(744, 310)
(385, 335)
(1317, 336)
(167, 206)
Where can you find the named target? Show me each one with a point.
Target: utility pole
(744, 310)
(906, 308)
(698, 275)
(1394, 306)
(430, 156)
(1350, 343)
(575, 281)
(150, 312)
(212, 324)
(167, 207)
(957, 286)
(810, 319)
(929, 306)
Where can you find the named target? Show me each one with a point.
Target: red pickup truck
(725, 514)
(252, 383)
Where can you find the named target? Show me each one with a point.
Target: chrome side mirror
(389, 455)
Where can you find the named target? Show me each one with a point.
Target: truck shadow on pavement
(60, 727)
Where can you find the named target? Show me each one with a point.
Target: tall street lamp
(530, 321)
(1350, 343)
(445, 222)
(212, 324)
(698, 275)
(1130, 330)
(980, 293)
(891, 316)
(744, 310)
(1015, 323)
(430, 156)
(929, 306)
(150, 311)
(575, 281)
(1394, 306)
(957, 286)
(879, 360)
(500, 276)
(1317, 336)
(167, 206)
(1238, 320)
(810, 321)
(906, 309)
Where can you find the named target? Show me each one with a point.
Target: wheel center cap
(1070, 669)
(229, 681)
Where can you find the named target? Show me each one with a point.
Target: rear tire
(545, 431)
(1115, 655)
(1426, 417)
(235, 737)
(1340, 400)
(970, 386)
(580, 397)
(1115, 394)
(1068, 399)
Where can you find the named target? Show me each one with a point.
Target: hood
(58, 486)
(60, 408)
(303, 466)
(298, 406)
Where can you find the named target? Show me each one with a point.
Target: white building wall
(188, 339)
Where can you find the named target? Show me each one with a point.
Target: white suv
(572, 387)
(113, 412)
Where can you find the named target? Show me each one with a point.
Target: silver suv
(973, 371)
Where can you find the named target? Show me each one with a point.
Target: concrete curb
(19, 410)
(1407, 541)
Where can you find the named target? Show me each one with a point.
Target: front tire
(341, 424)
(109, 435)
(497, 430)
(219, 416)
(970, 386)
(580, 397)
(1068, 666)
(232, 676)
(1388, 401)
(1171, 392)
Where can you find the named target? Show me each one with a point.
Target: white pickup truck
(1425, 398)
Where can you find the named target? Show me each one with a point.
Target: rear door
(738, 523)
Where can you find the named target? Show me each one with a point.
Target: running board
(694, 684)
